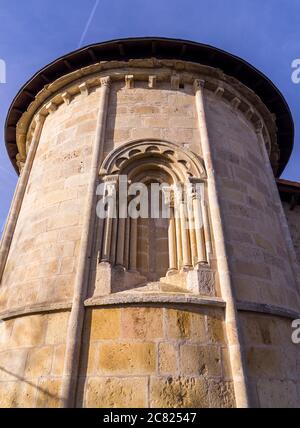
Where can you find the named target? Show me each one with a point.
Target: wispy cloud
(88, 23)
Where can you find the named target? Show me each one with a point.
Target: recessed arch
(174, 243)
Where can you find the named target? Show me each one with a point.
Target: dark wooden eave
(148, 47)
(289, 192)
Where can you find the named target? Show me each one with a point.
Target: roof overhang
(148, 47)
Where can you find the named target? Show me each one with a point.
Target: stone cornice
(152, 71)
(135, 298)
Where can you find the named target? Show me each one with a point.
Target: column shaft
(233, 330)
(75, 325)
(114, 241)
(185, 237)
(178, 242)
(14, 212)
(107, 236)
(121, 242)
(133, 245)
(206, 229)
(201, 253)
(192, 234)
(172, 243)
(127, 242)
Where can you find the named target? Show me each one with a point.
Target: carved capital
(105, 81)
(178, 193)
(110, 183)
(111, 179)
(168, 195)
(198, 84)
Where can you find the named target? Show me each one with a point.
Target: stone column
(201, 253)
(127, 242)
(172, 243)
(133, 244)
(108, 225)
(186, 253)
(13, 215)
(192, 232)
(206, 228)
(178, 240)
(75, 325)
(121, 242)
(234, 335)
(113, 241)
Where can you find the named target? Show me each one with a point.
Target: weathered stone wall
(261, 270)
(256, 245)
(155, 357)
(293, 218)
(31, 360)
(272, 360)
(42, 260)
(162, 113)
(146, 356)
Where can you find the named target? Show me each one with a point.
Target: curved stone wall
(164, 351)
(155, 357)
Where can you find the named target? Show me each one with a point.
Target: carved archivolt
(189, 242)
(181, 163)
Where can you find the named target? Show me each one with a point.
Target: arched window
(174, 236)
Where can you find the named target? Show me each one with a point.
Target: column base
(171, 272)
(201, 281)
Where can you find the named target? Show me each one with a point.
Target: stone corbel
(236, 102)
(249, 113)
(66, 97)
(51, 107)
(129, 81)
(152, 82)
(175, 80)
(21, 143)
(20, 162)
(219, 92)
(84, 89)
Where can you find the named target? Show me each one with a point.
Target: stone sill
(36, 309)
(134, 298)
(267, 309)
(156, 298)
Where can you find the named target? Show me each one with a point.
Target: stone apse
(148, 312)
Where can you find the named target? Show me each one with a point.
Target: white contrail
(88, 23)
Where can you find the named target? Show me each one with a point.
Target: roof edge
(160, 47)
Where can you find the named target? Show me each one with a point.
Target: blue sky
(34, 32)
